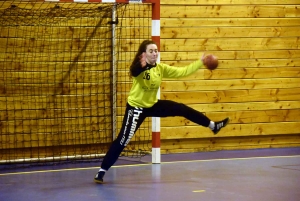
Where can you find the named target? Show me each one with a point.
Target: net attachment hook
(114, 22)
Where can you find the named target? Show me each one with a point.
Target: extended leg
(133, 118)
(167, 108)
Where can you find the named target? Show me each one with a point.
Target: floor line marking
(199, 191)
(232, 159)
(136, 165)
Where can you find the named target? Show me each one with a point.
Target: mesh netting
(57, 86)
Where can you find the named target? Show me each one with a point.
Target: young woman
(142, 101)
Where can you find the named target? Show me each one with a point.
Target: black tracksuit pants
(135, 116)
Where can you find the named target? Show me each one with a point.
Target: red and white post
(156, 120)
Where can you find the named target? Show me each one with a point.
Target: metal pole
(114, 72)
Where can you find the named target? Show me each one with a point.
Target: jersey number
(146, 76)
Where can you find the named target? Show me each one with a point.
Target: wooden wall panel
(229, 143)
(236, 11)
(256, 83)
(231, 22)
(229, 2)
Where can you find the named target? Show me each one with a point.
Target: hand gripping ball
(210, 61)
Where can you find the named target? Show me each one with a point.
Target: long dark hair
(142, 48)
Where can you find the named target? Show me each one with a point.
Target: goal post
(64, 65)
(156, 154)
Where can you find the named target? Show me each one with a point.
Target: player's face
(151, 54)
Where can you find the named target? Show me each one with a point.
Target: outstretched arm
(177, 72)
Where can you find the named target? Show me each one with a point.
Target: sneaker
(99, 177)
(220, 124)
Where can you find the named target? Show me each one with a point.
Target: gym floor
(244, 175)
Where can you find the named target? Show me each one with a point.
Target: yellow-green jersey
(147, 80)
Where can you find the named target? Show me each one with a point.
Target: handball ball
(210, 61)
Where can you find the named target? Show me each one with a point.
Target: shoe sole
(98, 182)
(223, 126)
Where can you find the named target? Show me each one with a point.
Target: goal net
(64, 78)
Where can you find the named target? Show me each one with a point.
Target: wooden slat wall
(257, 83)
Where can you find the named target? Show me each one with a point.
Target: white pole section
(114, 72)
